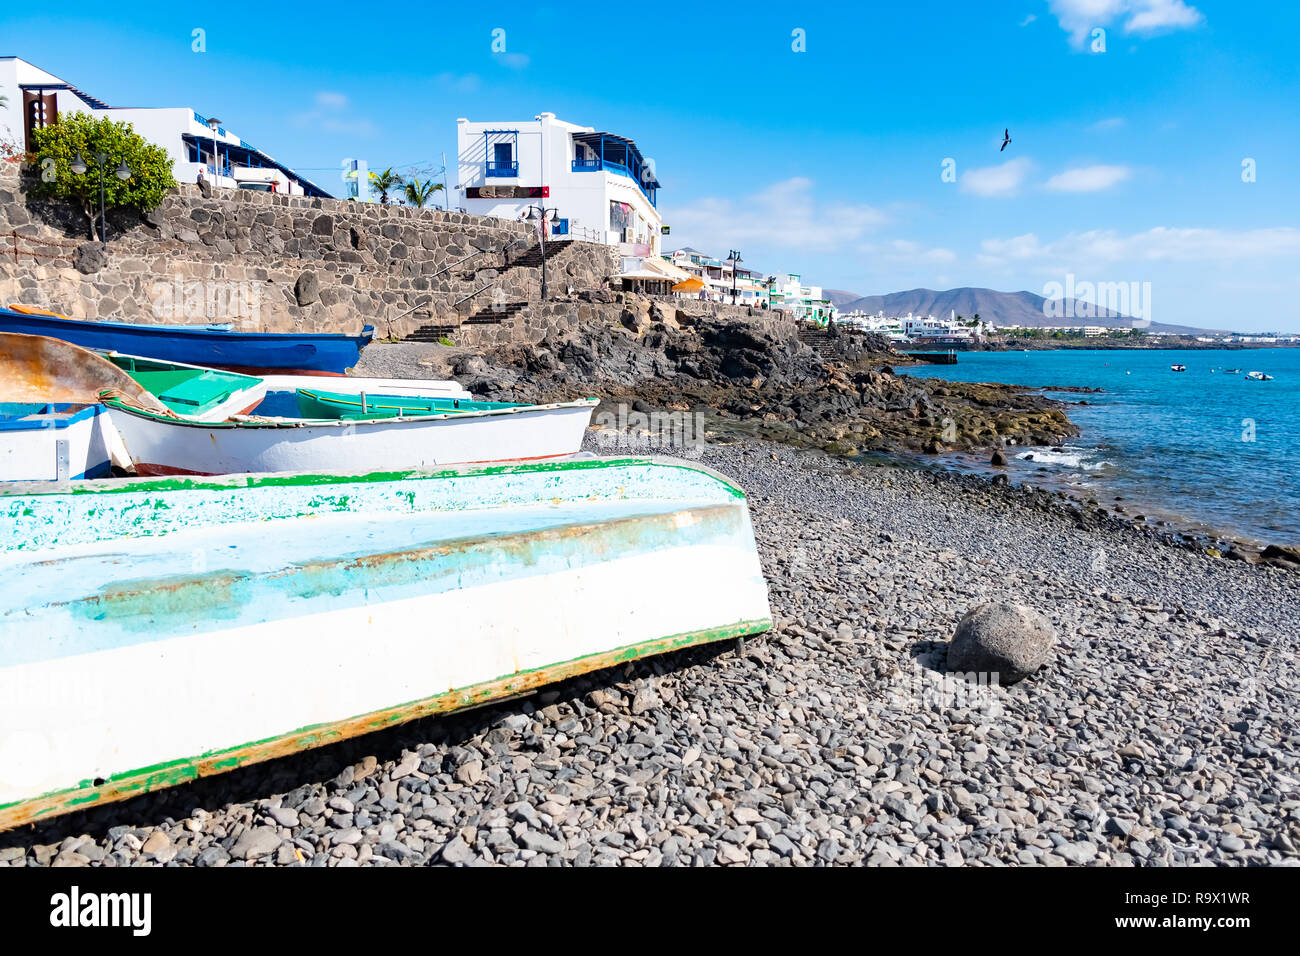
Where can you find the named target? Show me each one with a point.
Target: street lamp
(536, 213)
(213, 124)
(123, 172)
(734, 258)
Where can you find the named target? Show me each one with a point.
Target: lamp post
(123, 172)
(538, 214)
(734, 258)
(213, 124)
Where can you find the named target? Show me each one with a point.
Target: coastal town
(473, 512)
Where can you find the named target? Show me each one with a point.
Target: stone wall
(279, 263)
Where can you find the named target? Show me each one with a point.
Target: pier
(935, 358)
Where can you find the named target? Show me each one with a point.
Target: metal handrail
(474, 293)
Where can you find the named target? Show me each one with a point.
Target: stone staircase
(491, 314)
(830, 347)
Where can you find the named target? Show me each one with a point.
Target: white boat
(156, 631)
(55, 442)
(1178, 368)
(1259, 377)
(162, 445)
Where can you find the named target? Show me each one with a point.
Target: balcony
(586, 165)
(497, 170)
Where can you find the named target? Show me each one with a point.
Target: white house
(35, 98)
(801, 301)
(600, 186)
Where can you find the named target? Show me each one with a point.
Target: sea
(1206, 448)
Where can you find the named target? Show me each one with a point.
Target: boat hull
(78, 441)
(360, 602)
(163, 446)
(315, 354)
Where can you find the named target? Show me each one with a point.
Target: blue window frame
(501, 150)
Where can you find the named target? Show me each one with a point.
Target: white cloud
(1084, 250)
(1088, 179)
(468, 83)
(1153, 15)
(330, 115)
(784, 215)
(1002, 180)
(1028, 20)
(1079, 17)
(1111, 122)
(907, 251)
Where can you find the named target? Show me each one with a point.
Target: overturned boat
(156, 631)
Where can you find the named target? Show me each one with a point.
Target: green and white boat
(156, 631)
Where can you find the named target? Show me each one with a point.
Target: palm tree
(385, 182)
(418, 192)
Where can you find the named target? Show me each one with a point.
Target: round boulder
(1009, 640)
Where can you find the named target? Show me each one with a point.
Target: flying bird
(1006, 138)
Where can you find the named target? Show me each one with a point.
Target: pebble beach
(1161, 731)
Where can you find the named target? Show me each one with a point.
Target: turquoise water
(1204, 445)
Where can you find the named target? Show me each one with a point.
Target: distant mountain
(1024, 309)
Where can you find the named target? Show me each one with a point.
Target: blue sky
(1125, 165)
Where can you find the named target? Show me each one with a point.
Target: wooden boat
(52, 425)
(43, 441)
(164, 445)
(310, 354)
(313, 403)
(156, 631)
(282, 390)
(200, 394)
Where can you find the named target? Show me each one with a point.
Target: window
(501, 154)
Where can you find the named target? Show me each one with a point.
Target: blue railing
(502, 170)
(586, 165)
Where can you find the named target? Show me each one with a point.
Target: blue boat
(253, 352)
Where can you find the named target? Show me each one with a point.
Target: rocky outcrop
(752, 375)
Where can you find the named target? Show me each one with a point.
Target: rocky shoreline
(1162, 729)
(753, 379)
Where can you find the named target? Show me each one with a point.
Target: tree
(385, 182)
(54, 148)
(417, 192)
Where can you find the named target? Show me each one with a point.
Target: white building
(600, 185)
(802, 301)
(35, 98)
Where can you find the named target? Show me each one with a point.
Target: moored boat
(211, 347)
(314, 403)
(359, 601)
(1259, 377)
(165, 445)
(1178, 368)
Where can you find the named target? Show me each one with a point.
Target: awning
(643, 274)
(693, 284)
(667, 270)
